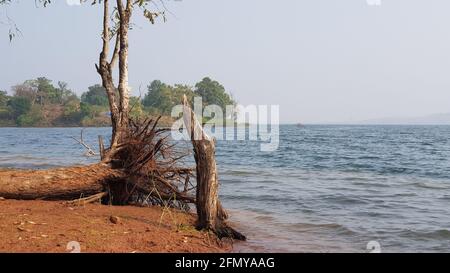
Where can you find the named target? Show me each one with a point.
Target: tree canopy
(213, 92)
(41, 102)
(96, 95)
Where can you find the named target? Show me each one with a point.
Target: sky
(321, 61)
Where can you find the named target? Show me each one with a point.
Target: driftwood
(210, 213)
(89, 150)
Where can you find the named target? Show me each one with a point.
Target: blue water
(326, 189)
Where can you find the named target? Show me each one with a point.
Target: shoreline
(49, 226)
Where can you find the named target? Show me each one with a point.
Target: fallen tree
(143, 170)
(55, 184)
(140, 166)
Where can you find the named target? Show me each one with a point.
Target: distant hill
(434, 119)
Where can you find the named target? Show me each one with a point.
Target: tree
(138, 158)
(213, 92)
(46, 92)
(72, 110)
(26, 90)
(116, 26)
(161, 97)
(4, 109)
(95, 96)
(65, 93)
(158, 97)
(30, 118)
(119, 105)
(3, 98)
(19, 105)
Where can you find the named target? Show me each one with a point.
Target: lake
(326, 189)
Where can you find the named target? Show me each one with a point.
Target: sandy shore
(41, 226)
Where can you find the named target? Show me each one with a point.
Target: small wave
(369, 157)
(264, 218)
(441, 234)
(430, 186)
(319, 227)
(370, 184)
(426, 144)
(343, 200)
(262, 198)
(445, 197)
(20, 158)
(239, 172)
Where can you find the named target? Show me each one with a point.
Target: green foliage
(39, 102)
(19, 105)
(46, 91)
(213, 93)
(95, 96)
(159, 98)
(4, 109)
(66, 94)
(3, 99)
(30, 118)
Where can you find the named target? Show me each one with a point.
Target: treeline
(41, 103)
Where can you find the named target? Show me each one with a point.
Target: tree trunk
(56, 184)
(211, 215)
(119, 107)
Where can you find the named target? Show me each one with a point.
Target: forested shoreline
(42, 102)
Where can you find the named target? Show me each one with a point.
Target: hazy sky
(320, 60)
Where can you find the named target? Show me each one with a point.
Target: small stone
(44, 236)
(114, 219)
(2, 199)
(31, 222)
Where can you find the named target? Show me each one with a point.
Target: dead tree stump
(211, 215)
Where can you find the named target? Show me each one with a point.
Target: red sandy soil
(48, 227)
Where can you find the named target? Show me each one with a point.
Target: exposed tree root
(225, 231)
